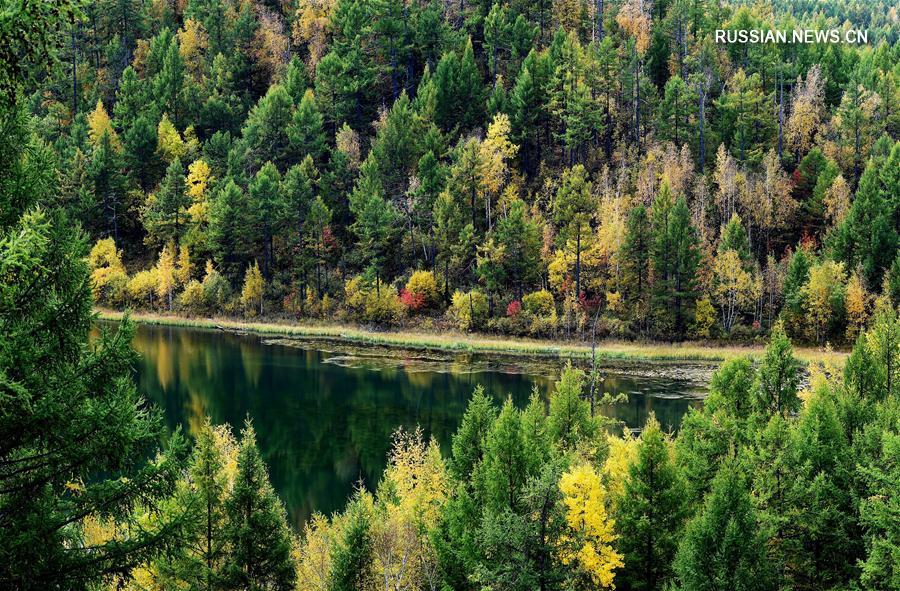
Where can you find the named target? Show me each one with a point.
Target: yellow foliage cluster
(312, 26)
(469, 309)
(252, 291)
(590, 537)
(100, 124)
(422, 283)
(109, 280)
(192, 44)
(169, 143)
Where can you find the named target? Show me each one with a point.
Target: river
(324, 411)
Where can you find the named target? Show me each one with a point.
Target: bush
(469, 309)
(540, 310)
(216, 290)
(705, 319)
(142, 286)
(365, 303)
(383, 306)
(355, 295)
(109, 281)
(192, 298)
(539, 303)
(421, 292)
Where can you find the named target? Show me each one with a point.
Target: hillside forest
(531, 168)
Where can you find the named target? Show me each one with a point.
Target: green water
(324, 413)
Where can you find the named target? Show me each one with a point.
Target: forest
(550, 169)
(547, 168)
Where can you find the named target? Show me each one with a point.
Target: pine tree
(469, 439)
(256, 531)
(651, 513)
(778, 376)
(76, 435)
(266, 214)
(675, 256)
(570, 421)
(165, 215)
(722, 548)
(869, 235)
(635, 256)
(572, 209)
(352, 556)
(266, 133)
(675, 111)
(306, 132)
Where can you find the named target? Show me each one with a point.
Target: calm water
(324, 413)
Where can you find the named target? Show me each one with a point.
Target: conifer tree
(256, 532)
(722, 548)
(651, 513)
(352, 556)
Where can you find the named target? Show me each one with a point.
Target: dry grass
(474, 343)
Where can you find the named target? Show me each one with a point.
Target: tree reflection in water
(324, 417)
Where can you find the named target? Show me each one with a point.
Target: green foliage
(651, 512)
(257, 530)
(722, 547)
(75, 435)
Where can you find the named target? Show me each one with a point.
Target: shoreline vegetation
(476, 343)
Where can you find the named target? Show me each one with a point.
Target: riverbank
(476, 343)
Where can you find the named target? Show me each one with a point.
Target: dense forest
(532, 167)
(543, 168)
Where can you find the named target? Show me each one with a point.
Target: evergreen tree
(675, 256)
(675, 112)
(869, 234)
(775, 388)
(469, 439)
(459, 98)
(722, 548)
(256, 532)
(651, 513)
(572, 210)
(266, 133)
(570, 421)
(636, 260)
(165, 215)
(266, 213)
(75, 433)
(351, 556)
(305, 132)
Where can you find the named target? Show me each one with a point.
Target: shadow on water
(324, 412)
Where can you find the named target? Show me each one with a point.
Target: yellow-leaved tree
(495, 152)
(252, 291)
(408, 507)
(736, 288)
(313, 554)
(192, 44)
(823, 297)
(108, 277)
(99, 124)
(165, 274)
(588, 543)
(169, 143)
(184, 268)
(622, 451)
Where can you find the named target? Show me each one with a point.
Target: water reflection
(324, 415)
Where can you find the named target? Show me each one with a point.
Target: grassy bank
(474, 343)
